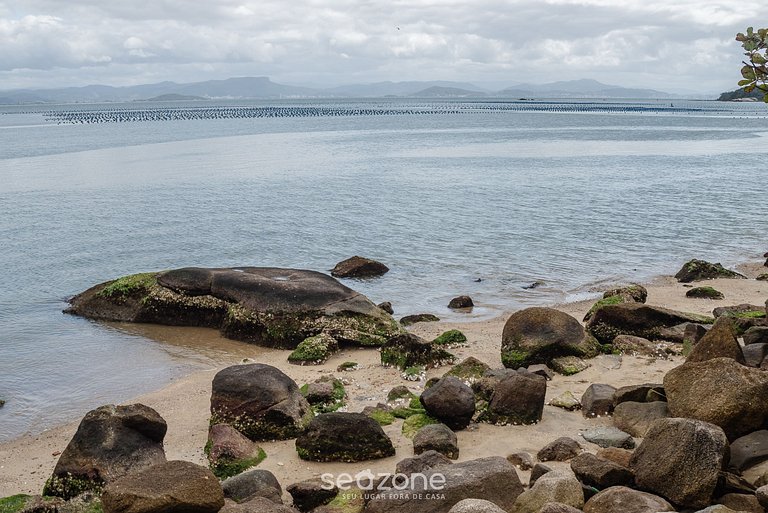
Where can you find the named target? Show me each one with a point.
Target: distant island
(244, 88)
(173, 97)
(741, 95)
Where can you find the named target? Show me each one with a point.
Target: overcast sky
(662, 44)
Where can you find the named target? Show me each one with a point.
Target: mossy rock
(348, 367)
(569, 365)
(400, 392)
(413, 319)
(347, 437)
(347, 501)
(409, 350)
(335, 401)
(412, 424)
(412, 407)
(704, 293)
(14, 503)
(600, 303)
(697, 270)
(451, 338)
(639, 320)
(536, 335)
(225, 468)
(469, 370)
(383, 417)
(762, 277)
(314, 350)
(266, 306)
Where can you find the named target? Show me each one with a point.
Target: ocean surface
(578, 195)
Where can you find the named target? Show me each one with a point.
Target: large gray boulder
(345, 437)
(264, 305)
(493, 479)
(720, 391)
(110, 442)
(260, 401)
(537, 335)
(638, 320)
(171, 487)
(681, 460)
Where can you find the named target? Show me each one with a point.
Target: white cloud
(652, 43)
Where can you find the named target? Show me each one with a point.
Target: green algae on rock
(314, 350)
(697, 270)
(408, 350)
(266, 306)
(705, 293)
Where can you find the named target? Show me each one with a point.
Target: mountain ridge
(236, 88)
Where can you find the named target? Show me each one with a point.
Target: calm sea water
(577, 196)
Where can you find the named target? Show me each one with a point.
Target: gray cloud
(651, 43)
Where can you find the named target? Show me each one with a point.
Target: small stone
(566, 401)
(436, 437)
(568, 365)
(619, 456)
(522, 460)
(542, 370)
(609, 437)
(562, 449)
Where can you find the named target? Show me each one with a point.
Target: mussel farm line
(123, 115)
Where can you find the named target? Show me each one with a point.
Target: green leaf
(744, 82)
(765, 98)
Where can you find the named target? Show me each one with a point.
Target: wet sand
(26, 463)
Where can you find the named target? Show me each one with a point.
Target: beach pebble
(566, 401)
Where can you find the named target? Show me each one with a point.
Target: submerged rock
(266, 306)
(359, 267)
(461, 302)
(537, 335)
(110, 442)
(260, 401)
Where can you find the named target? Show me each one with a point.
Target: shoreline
(29, 460)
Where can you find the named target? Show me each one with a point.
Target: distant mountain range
(263, 87)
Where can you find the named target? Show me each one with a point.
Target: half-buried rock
(111, 442)
(260, 401)
(637, 319)
(171, 487)
(536, 335)
(409, 350)
(347, 437)
(263, 305)
(230, 452)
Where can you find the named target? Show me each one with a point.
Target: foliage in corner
(755, 72)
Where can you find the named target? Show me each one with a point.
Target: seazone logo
(387, 485)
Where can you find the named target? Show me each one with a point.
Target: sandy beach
(26, 463)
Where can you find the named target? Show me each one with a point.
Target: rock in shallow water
(267, 306)
(359, 267)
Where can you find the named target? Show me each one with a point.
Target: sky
(668, 45)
